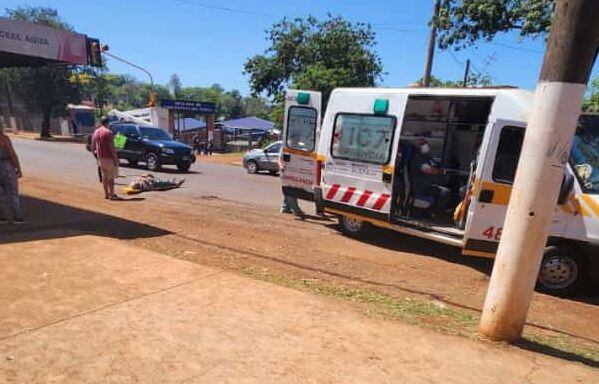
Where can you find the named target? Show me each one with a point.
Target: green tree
(277, 114)
(315, 54)
(45, 89)
(257, 106)
(463, 22)
(591, 103)
(474, 80)
(96, 85)
(231, 104)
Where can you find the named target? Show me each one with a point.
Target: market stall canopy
(29, 44)
(248, 123)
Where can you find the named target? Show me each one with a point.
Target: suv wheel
(252, 167)
(563, 272)
(152, 162)
(184, 167)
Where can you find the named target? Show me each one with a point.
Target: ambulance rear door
(495, 174)
(357, 178)
(300, 137)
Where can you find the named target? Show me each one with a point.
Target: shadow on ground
(47, 220)
(164, 169)
(548, 350)
(394, 241)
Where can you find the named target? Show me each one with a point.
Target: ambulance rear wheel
(353, 227)
(563, 271)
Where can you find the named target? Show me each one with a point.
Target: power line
(380, 28)
(219, 8)
(455, 58)
(225, 9)
(517, 48)
(474, 69)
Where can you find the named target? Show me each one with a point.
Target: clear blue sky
(205, 44)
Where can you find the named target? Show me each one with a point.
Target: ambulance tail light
(319, 166)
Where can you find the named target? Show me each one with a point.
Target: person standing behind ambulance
(103, 147)
(290, 204)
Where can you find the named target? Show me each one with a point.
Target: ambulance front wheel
(353, 227)
(563, 271)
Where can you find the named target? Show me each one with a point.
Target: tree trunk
(11, 111)
(45, 132)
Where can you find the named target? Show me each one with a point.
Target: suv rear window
(129, 130)
(117, 129)
(154, 134)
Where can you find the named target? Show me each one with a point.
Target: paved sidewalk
(55, 138)
(91, 309)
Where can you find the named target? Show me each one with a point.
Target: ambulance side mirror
(566, 188)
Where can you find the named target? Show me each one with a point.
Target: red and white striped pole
(568, 61)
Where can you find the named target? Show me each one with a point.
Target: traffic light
(94, 52)
(152, 101)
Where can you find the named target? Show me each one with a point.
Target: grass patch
(432, 314)
(435, 315)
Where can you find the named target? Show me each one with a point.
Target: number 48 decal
(493, 233)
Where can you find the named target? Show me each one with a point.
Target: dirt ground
(387, 275)
(13, 134)
(74, 313)
(233, 158)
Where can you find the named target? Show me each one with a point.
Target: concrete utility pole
(466, 74)
(568, 61)
(432, 40)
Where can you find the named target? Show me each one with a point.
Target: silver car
(265, 159)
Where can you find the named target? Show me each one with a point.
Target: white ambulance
(438, 164)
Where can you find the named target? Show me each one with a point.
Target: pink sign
(35, 40)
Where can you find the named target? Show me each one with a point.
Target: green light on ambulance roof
(303, 98)
(381, 106)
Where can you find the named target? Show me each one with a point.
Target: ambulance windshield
(585, 153)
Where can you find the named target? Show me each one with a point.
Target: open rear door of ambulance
(300, 139)
(497, 164)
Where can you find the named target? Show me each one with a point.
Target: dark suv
(152, 146)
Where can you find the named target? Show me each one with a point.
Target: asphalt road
(73, 163)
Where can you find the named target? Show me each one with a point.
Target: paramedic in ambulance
(424, 172)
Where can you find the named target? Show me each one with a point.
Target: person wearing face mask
(424, 173)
